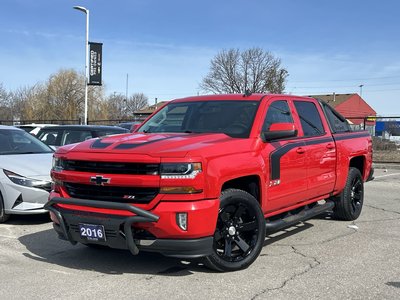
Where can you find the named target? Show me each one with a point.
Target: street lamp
(86, 11)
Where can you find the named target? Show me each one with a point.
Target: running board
(305, 214)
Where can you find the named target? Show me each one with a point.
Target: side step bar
(303, 215)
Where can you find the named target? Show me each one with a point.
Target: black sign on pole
(95, 63)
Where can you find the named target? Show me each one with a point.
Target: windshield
(13, 141)
(233, 118)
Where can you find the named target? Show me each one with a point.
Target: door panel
(320, 150)
(287, 178)
(287, 184)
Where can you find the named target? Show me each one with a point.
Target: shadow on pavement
(29, 219)
(44, 246)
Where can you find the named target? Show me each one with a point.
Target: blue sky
(166, 46)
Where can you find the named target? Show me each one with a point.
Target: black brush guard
(69, 218)
(141, 216)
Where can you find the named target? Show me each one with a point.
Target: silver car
(25, 164)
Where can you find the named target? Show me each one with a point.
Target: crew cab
(209, 176)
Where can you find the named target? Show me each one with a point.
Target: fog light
(181, 220)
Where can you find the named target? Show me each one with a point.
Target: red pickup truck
(209, 176)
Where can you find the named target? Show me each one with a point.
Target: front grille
(111, 167)
(111, 193)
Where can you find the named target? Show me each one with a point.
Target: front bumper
(22, 200)
(121, 232)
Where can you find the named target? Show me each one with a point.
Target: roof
(216, 97)
(333, 99)
(9, 127)
(83, 127)
(35, 125)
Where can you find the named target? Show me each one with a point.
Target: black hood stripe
(135, 145)
(98, 144)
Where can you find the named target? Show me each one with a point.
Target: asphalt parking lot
(320, 258)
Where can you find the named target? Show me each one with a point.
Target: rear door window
(337, 122)
(309, 118)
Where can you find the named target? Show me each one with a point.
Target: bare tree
(253, 70)
(116, 106)
(6, 109)
(136, 102)
(27, 102)
(121, 108)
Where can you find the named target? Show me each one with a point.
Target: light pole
(86, 11)
(361, 86)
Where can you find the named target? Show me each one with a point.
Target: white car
(34, 128)
(25, 164)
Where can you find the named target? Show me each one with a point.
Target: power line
(357, 79)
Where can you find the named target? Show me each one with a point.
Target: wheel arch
(250, 184)
(358, 162)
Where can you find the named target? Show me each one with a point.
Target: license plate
(92, 232)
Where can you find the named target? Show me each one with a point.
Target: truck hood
(158, 145)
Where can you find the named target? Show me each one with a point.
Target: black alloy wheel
(239, 234)
(356, 194)
(348, 204)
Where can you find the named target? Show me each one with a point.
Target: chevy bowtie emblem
(99, 180)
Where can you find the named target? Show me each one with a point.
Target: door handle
(330, 146)
(300, 150)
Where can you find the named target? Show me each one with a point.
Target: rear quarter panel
(350, 145)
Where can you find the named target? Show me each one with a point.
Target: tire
(348, 204)
(3, 216)
(239, 234)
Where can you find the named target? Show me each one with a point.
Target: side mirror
(279, 131)
(135, 127)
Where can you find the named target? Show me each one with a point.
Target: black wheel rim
(356, 195)
(236, 233)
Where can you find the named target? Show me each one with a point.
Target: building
(147, 111)
(353, 108)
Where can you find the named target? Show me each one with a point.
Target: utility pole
(126, 90)
(126, 95)
(86, 11)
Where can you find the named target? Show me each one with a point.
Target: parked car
(25, 164)
(128, 125)
(34, 128)
(61, 135)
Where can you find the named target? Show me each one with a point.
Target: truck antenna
(247, 93)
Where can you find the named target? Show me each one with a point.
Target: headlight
(57, 164)
(180, 170)
(25, 181)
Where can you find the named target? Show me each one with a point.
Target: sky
(166, 47)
